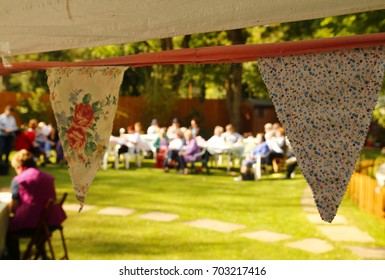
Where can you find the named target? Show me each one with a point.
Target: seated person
(217, 139)
(161, 146)
(154, 127)
(188, 151)
(291, 162)
(277, 146)
(261, 150)
(31, 189)
(231, 136)
(161, 142)
(173, 129)
(130, 140)
(174, 147)
(194, 127)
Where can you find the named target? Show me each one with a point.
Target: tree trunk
(234, 81)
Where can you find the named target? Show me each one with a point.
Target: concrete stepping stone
(307, 192)
(75, 207)
(310, 209)
(316, 219)
(312, 245)
(309, 201)
(116, 211)
(266, 236)
(159, 216)
(215, 225)
(368, 253)
(345, 233)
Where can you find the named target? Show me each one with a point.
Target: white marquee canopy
(47, 25)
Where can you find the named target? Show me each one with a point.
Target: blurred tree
(33, 107)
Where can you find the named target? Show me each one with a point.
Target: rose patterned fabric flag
(325, 103)
(84, 102)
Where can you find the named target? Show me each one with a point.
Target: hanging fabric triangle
(84, 101)
(325, 103)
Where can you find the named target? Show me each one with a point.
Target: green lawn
(269, 204)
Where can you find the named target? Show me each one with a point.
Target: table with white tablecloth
(230, 150)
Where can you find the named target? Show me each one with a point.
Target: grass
(269, 204)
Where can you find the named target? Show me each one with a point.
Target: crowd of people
(176, 146)
(37, 137)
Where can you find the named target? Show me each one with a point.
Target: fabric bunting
(84, 101)
(325, 103)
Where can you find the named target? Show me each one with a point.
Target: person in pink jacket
(31, 189)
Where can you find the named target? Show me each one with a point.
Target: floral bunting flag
(84, 101)
(325, 103)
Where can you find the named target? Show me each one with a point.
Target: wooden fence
(210, 113)
(367, 194)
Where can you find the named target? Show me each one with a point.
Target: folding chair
(60, 228)
(38, 237)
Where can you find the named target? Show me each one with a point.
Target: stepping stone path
(266, 236)
(312, 245)
(338, 230)
(368, 253)
(159, 216)
(316, 219)
(116, 211)
(215, 225)
(345, 233)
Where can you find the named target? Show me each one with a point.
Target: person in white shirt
(173, 129)
(154, 127)
(130, 140)
(174, 147)
(8, 129)
(231, 136)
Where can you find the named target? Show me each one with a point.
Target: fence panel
(365, 192)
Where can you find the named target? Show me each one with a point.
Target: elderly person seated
(231, 136)
(277, 146)
(187, 154)
(260, 150)
(174, 147)
(31, 189)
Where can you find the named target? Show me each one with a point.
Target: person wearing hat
(173, 129)
(154, 127)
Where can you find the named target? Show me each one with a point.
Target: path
(338, 231)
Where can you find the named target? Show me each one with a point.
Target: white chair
(109, 153)
(257, 166)
(127, 156)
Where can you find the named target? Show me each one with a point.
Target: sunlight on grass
(270, 204)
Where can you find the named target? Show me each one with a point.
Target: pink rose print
(76, 138)
(83, 115)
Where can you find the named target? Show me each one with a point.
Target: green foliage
(158, 94)
(206, 81)
(33, 107)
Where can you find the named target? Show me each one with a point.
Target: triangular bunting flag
(84, 102)
(325, 103)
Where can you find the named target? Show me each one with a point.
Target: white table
(231, 150)
(4, 215)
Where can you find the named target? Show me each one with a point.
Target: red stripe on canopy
(213, 55)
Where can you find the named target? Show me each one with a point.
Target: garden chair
(38, 237)
(60, 229)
